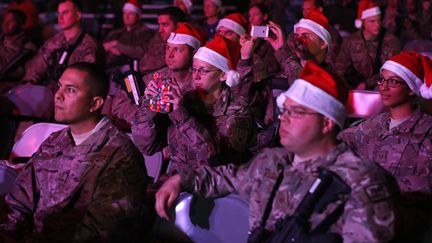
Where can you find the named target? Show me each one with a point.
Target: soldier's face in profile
(300, 127)
(73, 100)
(229, 34)
(166, 26)
(178, 56)
(67, 15)
(130, 18)
(372, 25)
(394, 91)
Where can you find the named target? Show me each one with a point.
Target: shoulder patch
(377, 192)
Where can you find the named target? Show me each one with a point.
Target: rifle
(324, 190)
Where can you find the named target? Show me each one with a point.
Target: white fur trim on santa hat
(208, 55)
(425, 91)
(131, 7)
(233, 78)
(358, 23)
(232, 25)
(316, 99)
(176, 38)
(409, 77)
(316, 28)
(371, 12)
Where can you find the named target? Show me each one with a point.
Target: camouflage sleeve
(149, 129)
(21, 201)
(350, 137)
(194, 134)
(122, 106)
(245, 69)
(37, 66)
(369, 212)
(343, 62)
(117, 198)
(390, 47)
(289, 63)
(87, 51)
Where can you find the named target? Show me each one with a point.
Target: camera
(260, 31)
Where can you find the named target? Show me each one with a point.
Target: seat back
(220, 220)
(30, 140)
(364, 104)
(32, 101)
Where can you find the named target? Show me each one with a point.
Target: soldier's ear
(324, 45)
(328, 125)
(223, 77)
(97, 103)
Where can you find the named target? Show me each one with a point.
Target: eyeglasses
(295, 113)
(202, 71)
(391, 82)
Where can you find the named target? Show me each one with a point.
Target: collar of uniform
(223, 102)
(322, 161)
(406, 127)
(71, 41)
(94, 143)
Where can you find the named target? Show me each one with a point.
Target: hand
(174, 96)
(279, 40)
(112, 46)
(247, 44)
(167, 195)
(151, 89)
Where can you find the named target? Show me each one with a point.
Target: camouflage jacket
(12, 47)
(154, 57)
(405, 151)
(356, 58)
(194, 132)
(336, 41)
(132, 44)
(87, 193)
(368, 211)
(41, 68)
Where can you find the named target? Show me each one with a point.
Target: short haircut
(262, 7)
(78, 4)
(18, 15)
(176, 14)
(96, 78)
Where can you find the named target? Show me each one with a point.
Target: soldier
(362, 54)
(129, 42)
(336, 39)
(313, 114)
(153, 58)
(86, 182)
(13, 43)
(206, 123)
(401, 140)
(70, 46)
(212, 12)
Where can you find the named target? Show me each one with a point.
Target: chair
(33, 101)
(32, 138)
(364, 104)
(224, 219)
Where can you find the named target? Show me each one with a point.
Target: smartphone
(260, 31)
(156, 103)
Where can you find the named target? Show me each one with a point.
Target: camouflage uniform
(356, 58)
(368, 211)
(154, 57)
(41, 68)
(336, 41)
(194, 133)
(131, 44)
(406, 152)
(91, 192)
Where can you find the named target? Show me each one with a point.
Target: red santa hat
(415, 69)
(365, 10)
(132, 5)
(320, 91)
(317, 23)
(223, 54)
(235, 22)
(189, 35)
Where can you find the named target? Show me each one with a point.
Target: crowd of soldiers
(262, 117)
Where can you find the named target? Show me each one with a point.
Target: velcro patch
(377, 192)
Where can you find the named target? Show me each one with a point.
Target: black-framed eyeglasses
(390, 82)
(202, 71)
(295, 113)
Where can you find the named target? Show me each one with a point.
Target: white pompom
(358, 23)
(425, 91)
(233, 78)
(280, 100)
